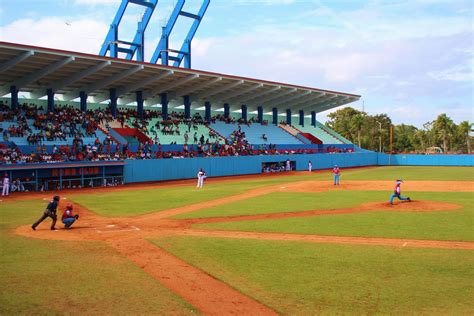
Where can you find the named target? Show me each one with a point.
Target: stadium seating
(22, 141)
(164, 139)
(323, 134)
(255, 131)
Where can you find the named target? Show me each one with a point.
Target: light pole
(380, 136)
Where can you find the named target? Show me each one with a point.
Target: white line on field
(133, 228)
(405, 244)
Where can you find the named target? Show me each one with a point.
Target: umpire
(50, 211)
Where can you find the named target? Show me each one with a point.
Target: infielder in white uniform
(310, 166)
(6, 185)
(201, 176)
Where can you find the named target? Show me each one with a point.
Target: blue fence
(425, 160)
(185, 168)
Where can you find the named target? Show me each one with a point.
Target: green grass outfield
(43, 277)
(137, 202)
(306, 279)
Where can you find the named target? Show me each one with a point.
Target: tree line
(372, 132)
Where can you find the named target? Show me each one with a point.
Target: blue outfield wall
(425, 160)
(185, 168)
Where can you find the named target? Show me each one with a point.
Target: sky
(409, 59)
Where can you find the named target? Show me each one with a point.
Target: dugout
(58, 176)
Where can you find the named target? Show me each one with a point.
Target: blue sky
(410, 59)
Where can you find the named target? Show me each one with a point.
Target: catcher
(50, 211)
(397, 193)
(69, 218)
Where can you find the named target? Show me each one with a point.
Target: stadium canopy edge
(70, 75)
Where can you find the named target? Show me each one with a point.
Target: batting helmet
(56, 198)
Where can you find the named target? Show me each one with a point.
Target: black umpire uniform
(49, 212)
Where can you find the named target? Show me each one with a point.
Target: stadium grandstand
(95, 113)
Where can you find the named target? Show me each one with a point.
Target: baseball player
(336, 172)
(6, 185)
(310, 166)
(50, 211)
(201, 176)
(68, 217)
(397, 193)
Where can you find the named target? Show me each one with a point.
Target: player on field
(310, 166)
(68, 217)
(201, 175)
(49, 212)
(397, 193)
(336, 173)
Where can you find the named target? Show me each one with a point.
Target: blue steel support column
(288, 116)
(275, 116)
(226, 110)
(260, 114)
(301, 117)
(83, 96)
(187, 57)
(187, 107)
(164, 105)
(139, 95)
(113, 102)
(244, 112)
(50, 94)
(14, 97)
(207, 115)
(313, 118)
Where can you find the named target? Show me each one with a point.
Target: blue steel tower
(136, 47)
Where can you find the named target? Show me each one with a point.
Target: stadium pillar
(288, 116)
(139, 95)
(113, 102)
(226, 110)
(83, 97)
(207, 114)
(260, 114)
(313, 118)
(164, 105)
(14, 97)
(50, 94)
(244, 112)
(275, 116)
(187, 106)
(301, 117)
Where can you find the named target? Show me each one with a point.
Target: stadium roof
(36, 69)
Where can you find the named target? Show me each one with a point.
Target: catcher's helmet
(69, 206)
(56, 198)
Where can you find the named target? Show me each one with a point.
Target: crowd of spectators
(66, 121)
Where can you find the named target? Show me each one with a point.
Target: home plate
(113, 229)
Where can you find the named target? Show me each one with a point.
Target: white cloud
(83, 35)
(462, 73)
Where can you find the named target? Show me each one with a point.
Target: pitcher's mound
(415, 206)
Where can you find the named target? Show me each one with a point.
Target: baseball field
(288, 243)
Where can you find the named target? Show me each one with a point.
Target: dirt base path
(373, 241)
(211, 296)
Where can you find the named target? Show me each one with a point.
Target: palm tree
(357, 122)
(443, 128)
(464, 128)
